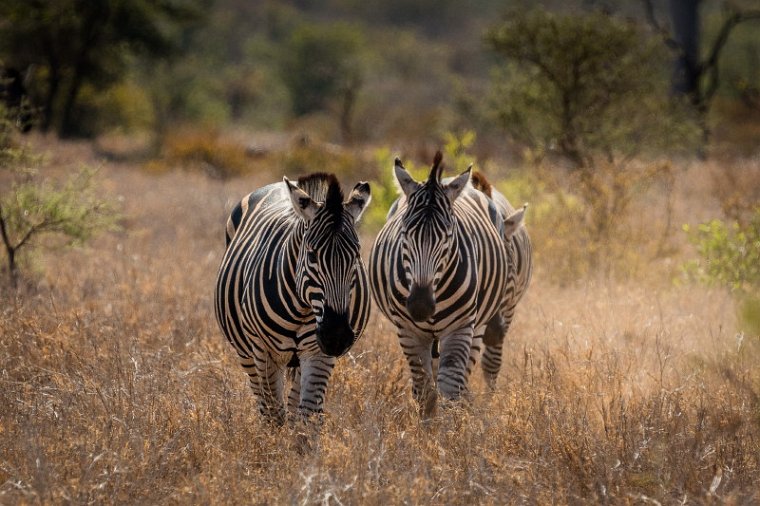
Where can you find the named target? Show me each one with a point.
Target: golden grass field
(116, 386)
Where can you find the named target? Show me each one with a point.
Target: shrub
(34, 208)
(200, 149)
(729, 256)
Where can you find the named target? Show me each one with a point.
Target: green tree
(322, 67)
(75, 42)
(697, 76)
(33, 207)
(584, 86)
(589, 88)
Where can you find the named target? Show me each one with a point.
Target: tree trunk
(68, 127)
(54, 82)
(684, 15)
(10, 251)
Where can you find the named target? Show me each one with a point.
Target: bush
(730, 257)
(204, 150)
(34, 208)
(729, 254)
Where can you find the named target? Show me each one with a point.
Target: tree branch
(710, 66)
(664, 33)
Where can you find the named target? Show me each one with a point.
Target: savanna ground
(116, 385)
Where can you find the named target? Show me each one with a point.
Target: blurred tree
(73, 42)
(322, 64)
(694, 76)
(587, 87)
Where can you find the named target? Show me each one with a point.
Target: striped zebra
(292, 289)
(438, 271)
(520, 269)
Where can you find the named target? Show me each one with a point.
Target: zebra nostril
(421, 302)
(334, 333)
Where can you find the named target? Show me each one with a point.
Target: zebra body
(292, 290)
(438, 271)
(520, 269)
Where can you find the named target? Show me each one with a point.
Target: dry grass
(117, 387)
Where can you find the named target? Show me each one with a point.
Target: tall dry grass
(117, 387)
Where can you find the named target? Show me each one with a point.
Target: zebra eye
(311, 256)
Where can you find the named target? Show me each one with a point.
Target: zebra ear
(358, 200)
(455, 187)
(303, 205)
(513, 222)
(405, 181)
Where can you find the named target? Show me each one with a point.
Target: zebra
(438, 271)
(520, 269)
(292, 290)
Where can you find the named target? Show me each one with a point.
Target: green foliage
(73, 43)
(586, 86)
(32, 208)
(73, 210)
(730, 257)
(729, 254)
(321, 63)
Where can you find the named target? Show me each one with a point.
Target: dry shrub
(588, 222)
(737, 188)
(305, 156)
(204, 150)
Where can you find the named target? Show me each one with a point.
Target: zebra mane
(479, 182)
(325, 188)
(436, 169)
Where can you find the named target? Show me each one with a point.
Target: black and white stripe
(292, 289)
(519, 272)
(438, 271)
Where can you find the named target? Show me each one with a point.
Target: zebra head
(428, 240)
(329, 256)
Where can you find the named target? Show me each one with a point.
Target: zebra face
(328, 262)
(427, 234)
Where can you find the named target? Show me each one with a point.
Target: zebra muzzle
(421, 302)
(334, 333)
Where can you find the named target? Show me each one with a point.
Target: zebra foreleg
(294, 396)
(452, 369)
(315, 375)
(266, 380)
(418, 356)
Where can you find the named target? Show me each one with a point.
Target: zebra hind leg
(492, 355)
(491, 364)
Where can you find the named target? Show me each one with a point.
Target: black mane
(325, 188)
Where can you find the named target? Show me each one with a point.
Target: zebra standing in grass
(292, 289)
(438, 271)
(520, 269)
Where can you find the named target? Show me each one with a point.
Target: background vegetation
(630, 375)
